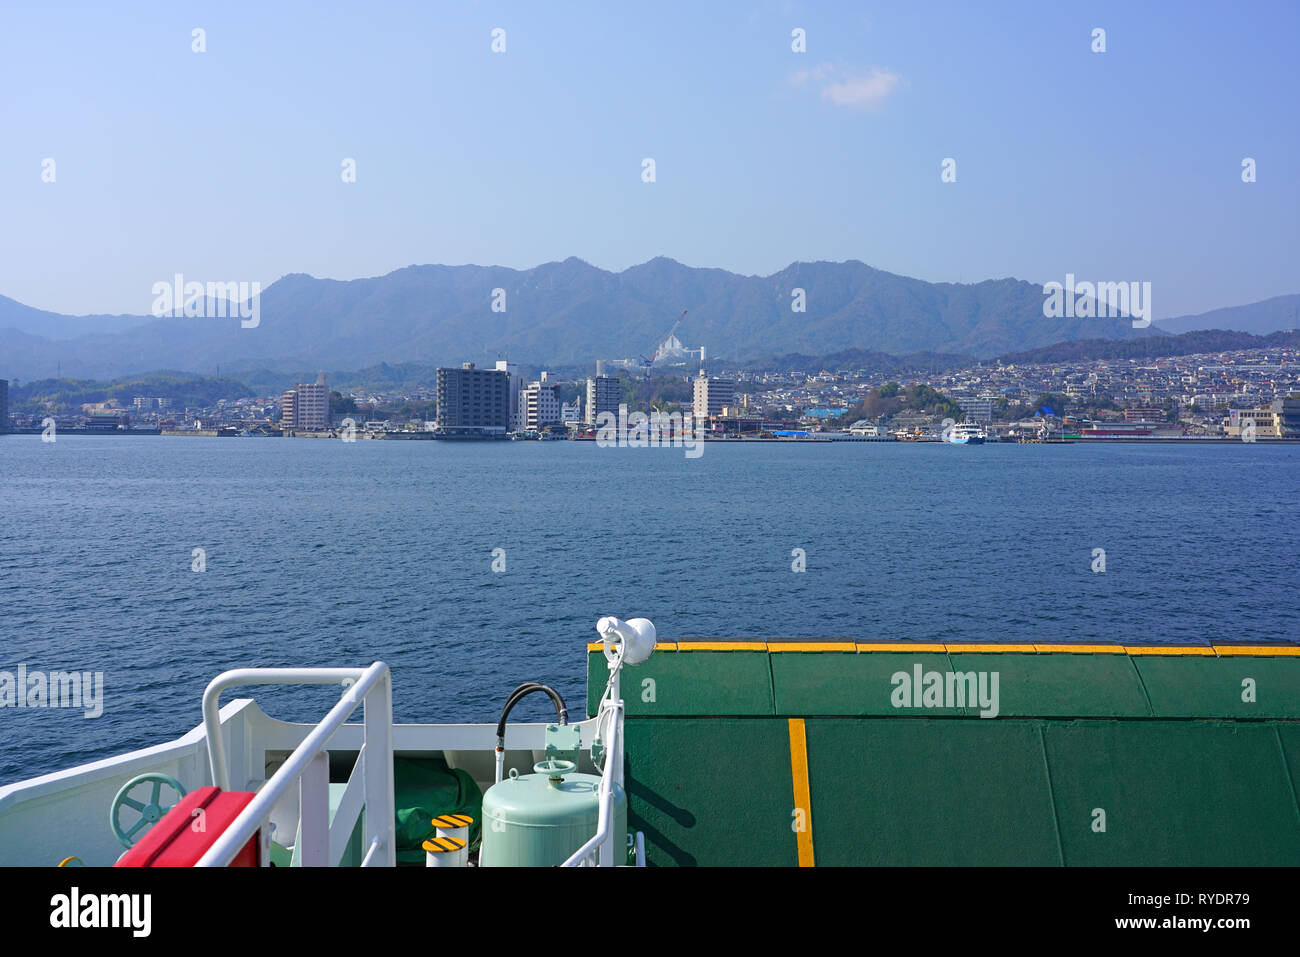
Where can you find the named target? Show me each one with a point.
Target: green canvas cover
(426, 788)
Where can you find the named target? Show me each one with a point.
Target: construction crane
(659, 347)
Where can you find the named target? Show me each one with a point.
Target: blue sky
(225, 165)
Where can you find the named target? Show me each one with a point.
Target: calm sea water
(331, 553)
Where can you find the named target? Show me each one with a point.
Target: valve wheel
(151, 811)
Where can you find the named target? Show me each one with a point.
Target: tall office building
(314, 404)
(473, 400)
(712, 396)
(306, 406)
(539, 404)
(603, 393)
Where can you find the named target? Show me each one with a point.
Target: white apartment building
(511, 369)
(288, 410)
(977, 408)
(539, 405)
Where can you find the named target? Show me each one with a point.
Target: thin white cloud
(860, 91)
(867, 92)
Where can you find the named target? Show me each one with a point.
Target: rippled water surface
(332, 553)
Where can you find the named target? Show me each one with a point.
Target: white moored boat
(964, 433)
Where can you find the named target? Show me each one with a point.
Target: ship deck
(789, 752)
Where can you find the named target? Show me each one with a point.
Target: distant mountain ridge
(559, 313)
(1279, 314)
(867, 360)
(1196, 342)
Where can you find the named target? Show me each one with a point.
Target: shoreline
(425, 436)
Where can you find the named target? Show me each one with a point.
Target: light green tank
(540, 819)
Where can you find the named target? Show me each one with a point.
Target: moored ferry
(964, 433)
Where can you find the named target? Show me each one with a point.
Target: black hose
(525, 689)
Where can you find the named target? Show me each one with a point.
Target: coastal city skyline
(1250, 394)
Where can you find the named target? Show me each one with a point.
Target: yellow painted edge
(916, 646)
(901, 646)
(811, 646)
(989, 647)
(802, 791)
(1268, 650)
(1082, 649)
(1169, 650)
(721, 646)
(659, 646)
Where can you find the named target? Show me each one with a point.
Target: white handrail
(348, 812)
(257, 676)
(371, 685)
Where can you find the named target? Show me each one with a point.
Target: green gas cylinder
(540, 819)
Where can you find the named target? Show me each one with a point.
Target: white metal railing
(308, 767)
(599, 850)
(349, 810)
(630, 642)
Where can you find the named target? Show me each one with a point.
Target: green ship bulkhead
(786, 752)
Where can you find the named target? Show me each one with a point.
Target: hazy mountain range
(567, 313)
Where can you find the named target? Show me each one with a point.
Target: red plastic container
(183, 836)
